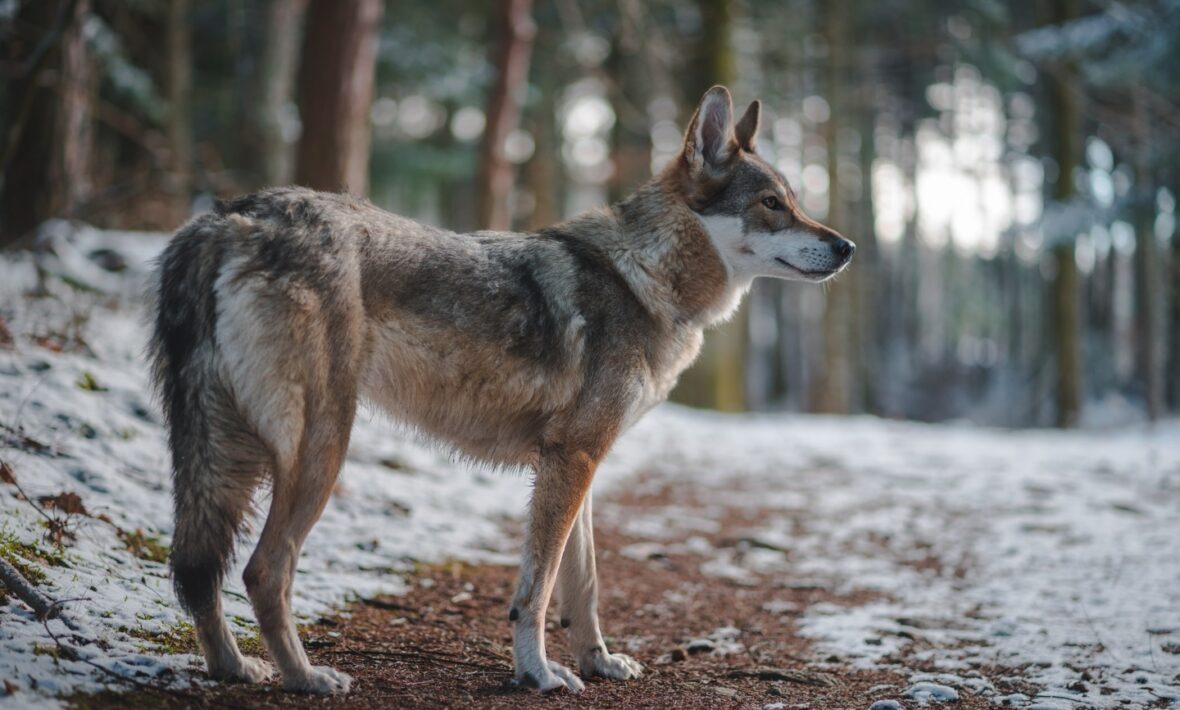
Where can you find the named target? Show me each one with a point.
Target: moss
(144, 546)
(28, 558)
(251, 644)
(176, 640)
(88, 383)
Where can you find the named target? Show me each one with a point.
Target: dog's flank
(279, 311)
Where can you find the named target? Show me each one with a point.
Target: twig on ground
(416, 656)
(72, 654)
(44, 607)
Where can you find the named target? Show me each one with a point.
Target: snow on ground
(1044, 556)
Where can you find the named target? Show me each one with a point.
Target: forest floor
(746, 560)
(704, 643)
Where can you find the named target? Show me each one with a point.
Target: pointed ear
(747, 128)
(709, 139)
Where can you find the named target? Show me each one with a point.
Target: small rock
(678, 654)
(724, 691)
(774, 690)
(1077, 686)
(886, 705)
(931, 691)
(700, 646)
(792, 675)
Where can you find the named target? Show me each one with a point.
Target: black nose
(843, 248)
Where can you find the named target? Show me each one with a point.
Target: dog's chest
(662, 373)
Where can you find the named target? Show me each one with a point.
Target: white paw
(616, 666)
(246, 670)
(552, 677)
(320, 680)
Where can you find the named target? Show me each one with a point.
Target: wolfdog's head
(746, 205)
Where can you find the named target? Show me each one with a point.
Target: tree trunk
(629, 90)
(1147, 264)
(544, 171)
(833, 388)
(47, 160)
(280, 60)
(717, 379)
(335, 92)
(1172, 372)
(180, 85)
(870, 314)
(1065, 300)
(513, 50)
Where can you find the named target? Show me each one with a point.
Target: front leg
(577, 597)
(562, 480)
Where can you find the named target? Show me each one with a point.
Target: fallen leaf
(68, 503)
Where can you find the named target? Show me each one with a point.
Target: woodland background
(1009, 170)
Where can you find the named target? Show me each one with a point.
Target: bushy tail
(182, 352)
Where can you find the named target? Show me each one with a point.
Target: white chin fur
(747, 258)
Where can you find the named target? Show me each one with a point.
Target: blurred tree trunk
(1172, 372)
(1066, 296)
(833, 388)
(717, 380)
(47, 159)
(1147, 263)
(629, 90)
(180, 85)
(280, 60)
(715, 62)
(871, 297)
(514, 28)
(335, 93)
(544, 171)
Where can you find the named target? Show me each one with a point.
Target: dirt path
(706, 641)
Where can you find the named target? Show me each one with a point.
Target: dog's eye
(772, 203)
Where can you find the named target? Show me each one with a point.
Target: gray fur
(281, 310)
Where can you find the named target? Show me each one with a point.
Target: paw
(552, 677)
(246, 670)
(616, 666)
(320, 680)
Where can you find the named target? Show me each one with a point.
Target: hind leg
(299, 497)
(222, 656)
(214, 488)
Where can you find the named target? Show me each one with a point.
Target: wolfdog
(277, 312)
